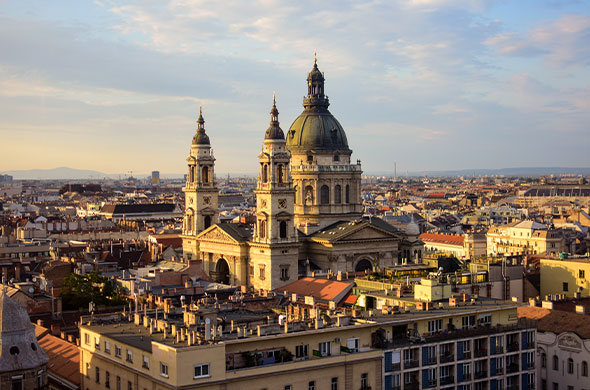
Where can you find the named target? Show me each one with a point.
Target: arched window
(191, 173)
(262, 229)
(325, 195)
(283, 229)
(297, 195)
(543, 359)
(309, 158)
(207, 221)
(336, 157)
(584, 368)
(347, 194)
(281, 173)
(337, 194)
(205, 175)
(555, 362)
(265, 173)
(570, 366)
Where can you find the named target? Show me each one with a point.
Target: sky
(115, 86)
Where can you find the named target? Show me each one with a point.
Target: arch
(325, 194)
(336, 157)
(584, 368)
(205, 174)
(191, 173)
(347, 194)
(363, 265)
(264, 173)
(543, 359)
(555, 362)
(190, 220)
(283, 229)
(221, 274)
(570, 366)
(262, 229)
(206, 221)
(337, 194)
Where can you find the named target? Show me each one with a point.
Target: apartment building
(526, 237)
(565, 275)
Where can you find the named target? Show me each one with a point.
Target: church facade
(308, 207)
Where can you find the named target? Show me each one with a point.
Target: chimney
(580, 309)
(547, 305)
(207, 329)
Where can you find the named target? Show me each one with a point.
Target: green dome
(316, 128)
(318, 131)
(201, 138)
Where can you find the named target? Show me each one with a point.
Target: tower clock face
(282, 203)
(206, 199)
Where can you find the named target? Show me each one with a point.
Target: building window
(146, 362)
(288, 387)
(337, 194)
(364, 381)
(434, 326)
(164, 370)
(40, 379)
(129, 385)
(117, 351)
(261, 273)
(334, 384)
(581, 274)
(130, 356)
(543, 359)
(565, 286)
(86, 339)
(284, 272)
(201, 371)
(118, 383)
(325, 348)
(584, 368)
(301, 351)
(107, 347)
(555, 362)
(17, 382)
(97, 371)
(570, 366)
(555, 386)
(353, 344)
(347, 194)
(96, 343)
(283, 229)
(311, 385)
(107, 380)
(325, 195)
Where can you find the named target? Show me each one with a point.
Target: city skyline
(429, 85)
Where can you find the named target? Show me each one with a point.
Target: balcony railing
(512, 368)
(412, 386)
(481, 352)
(481, 374)
(411, 364)
(466, 355)
(447, 358)
(430, 360)
(512, 387)
(429, 383)
(513, 347)
(447, 380)
(396, 367)
(499, 350)
(465, 378)
(499, 371)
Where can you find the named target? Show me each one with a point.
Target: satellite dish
(31, 290)
(34, 279)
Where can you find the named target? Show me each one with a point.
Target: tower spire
(315, 57)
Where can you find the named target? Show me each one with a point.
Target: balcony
(512, 387)
(447, 380)
(396, 367)
(512, 368)
(513, 347)
(411, 364)
(481, 374)
(430, 360)
(326, 168)
(412, 386)
(481, 352)
(499, 371)
(447, 358)
(428, 384)
(466, 355)
(499, 350)
(466, 377)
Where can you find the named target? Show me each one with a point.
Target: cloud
(561, 43)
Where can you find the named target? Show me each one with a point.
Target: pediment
(368, 233)
(215, 233)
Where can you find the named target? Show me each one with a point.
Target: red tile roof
(320, 289)
(557, 321)
(64, 357)
(450, 239)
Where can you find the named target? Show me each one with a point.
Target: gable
(368, 232)
(215, 233)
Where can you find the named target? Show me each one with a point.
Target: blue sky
(429, 84)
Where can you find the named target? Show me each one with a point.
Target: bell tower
(201, 193)
(274, 249)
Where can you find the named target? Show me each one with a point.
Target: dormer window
(336, 157)
(309, 158)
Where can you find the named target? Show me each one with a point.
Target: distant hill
(531, 172)
(56, 174)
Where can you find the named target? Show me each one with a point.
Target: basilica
(309, 213)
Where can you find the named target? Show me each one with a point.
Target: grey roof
(236, 231)
(19, 349)
(341, 229)
(138, 208)
(566, 191)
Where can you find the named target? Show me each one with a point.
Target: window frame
(201, 366)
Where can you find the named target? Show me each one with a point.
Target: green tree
(80, 290)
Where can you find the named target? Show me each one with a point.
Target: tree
(80, 290)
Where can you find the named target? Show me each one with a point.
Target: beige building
(462, 246)
(308, 207)
(567, 276)
(525, 237)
